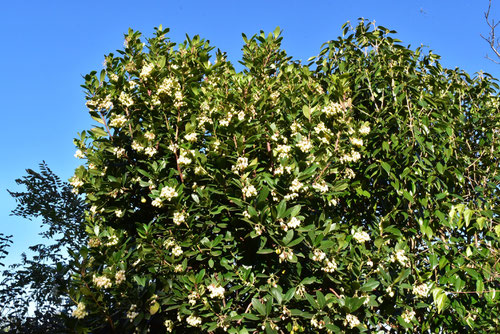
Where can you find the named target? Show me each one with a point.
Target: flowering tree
(358, 192)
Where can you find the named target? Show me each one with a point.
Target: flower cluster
(329, 266)
(318, 255)
(168, 193)
(132, 313)
(351, 320)
(80, 311)
(408, 316)
(120, 276)
(117, 121)
(193, 297)
(193, 320)
(102, 282)
(421, 290)
(361, 236)
(249, 191)
(216, 291)
(179, 218)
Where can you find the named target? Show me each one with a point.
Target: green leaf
(467, 216)
(386, 167)
(370, 285)
(99, 132)
(353, 303)
(278, 296)
(307, 112)
(154, 308)
(257, 305)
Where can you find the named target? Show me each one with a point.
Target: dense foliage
(34, 293)
(358, 192)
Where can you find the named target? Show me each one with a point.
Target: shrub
(356, 192)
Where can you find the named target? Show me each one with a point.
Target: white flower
(295, 128)
(193, 320)
(119, 213)
(102, 282)
(117, 121)
(301, 290)
(113, 240)
(319, 255)
(293, 223)
(157, 202)
(149, 135)
(150, 151)
(351, 320)
(120, 276)
(184, 159)
(286, 254)
(179, 218)
(421, 290)
(216, 291)
(76, 182)
(193, 297)
(178, 268)
(304, 145)
(137, 146)
(191, 136)
(349, 173)
(369, 263)
(389, 291)
(402, 258)
(131, 313)
(283, 151)
(364, 129)
(132, 84)
(332, 108)
(241, 164)
(296, 186)
(125, 99)
(241, 115)
(167, 86)
(351, 157)
(198, 170)
(321, 187)
(249, 191)
(168, 193)
(329, 266)
(290, 196)
(258, 229)
(79, 154)
(177, 250)
(112, 76)
(146, 70)
(361, 236)
(119, 152)
(317, 323)
(408, 316)
(80, 312)
(357, 142)
(169, 325)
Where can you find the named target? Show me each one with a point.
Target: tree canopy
(34, 293)
(356, 192)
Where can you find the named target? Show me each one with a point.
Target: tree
(358, 192)
(41, 282)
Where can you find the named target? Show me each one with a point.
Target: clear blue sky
(46, 47)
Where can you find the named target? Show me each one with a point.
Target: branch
(491, 39)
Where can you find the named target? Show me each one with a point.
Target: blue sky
(47, 47)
